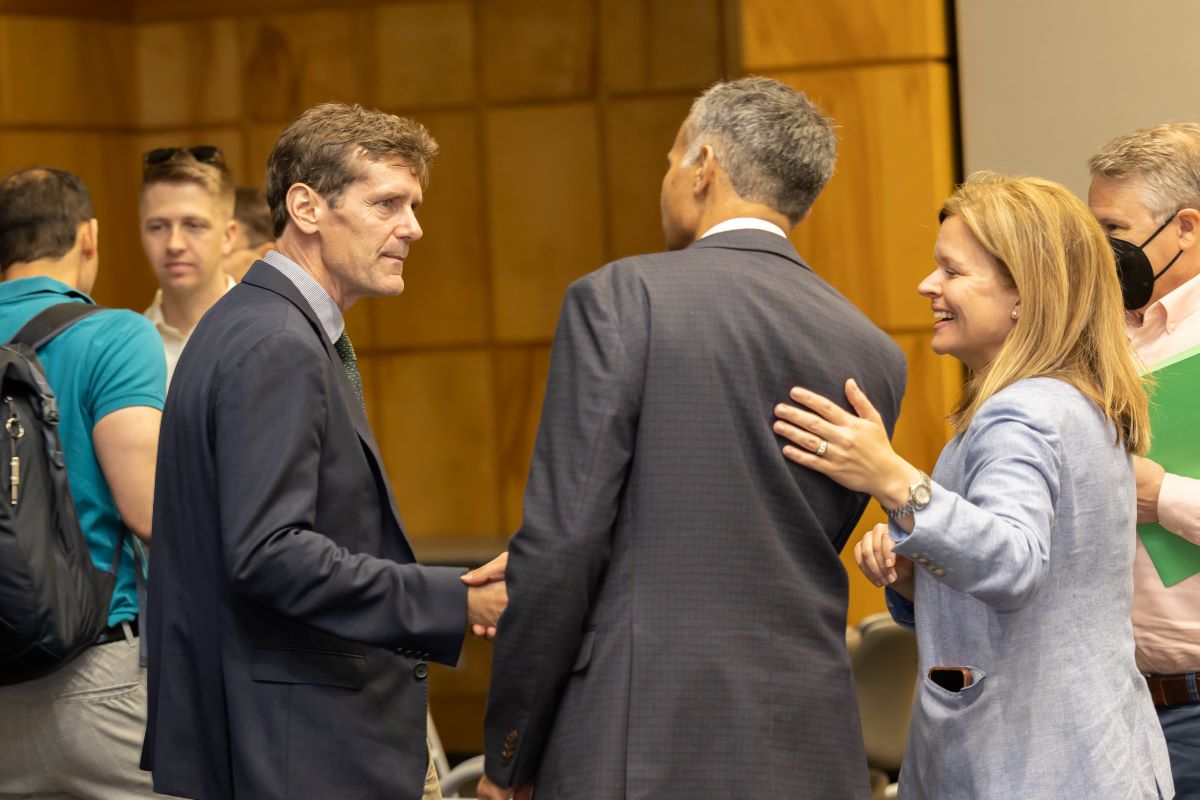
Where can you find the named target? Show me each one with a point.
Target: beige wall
(1045, 84)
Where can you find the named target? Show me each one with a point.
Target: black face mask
(1134, 271)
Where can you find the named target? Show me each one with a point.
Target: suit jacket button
(420, 672)
(938, 571)
(511, 737)
(506, 759)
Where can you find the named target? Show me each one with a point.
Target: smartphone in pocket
(952, 679)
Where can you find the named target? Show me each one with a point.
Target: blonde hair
(1165, 158)
(1048, 247)
(183, 167)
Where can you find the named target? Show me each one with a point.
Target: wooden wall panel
(294, 61)
(537, 51)
(360, 322)
(637, 135)
(872, 230)
(934, 384)
(116, 10)
(520, 386)
(458, 697)
(779, 34)
(143, 11)
(425, 54)
(660, 44)
(545, 215)
(259, 142)
(438, 439)
(446, 299)
(56, 72)
(188, 74)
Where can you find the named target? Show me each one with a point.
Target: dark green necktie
(345, 351)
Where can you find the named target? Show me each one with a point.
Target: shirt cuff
(1179, 506)
(901, 609)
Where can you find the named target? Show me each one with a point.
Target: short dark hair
(253, 215)
(317, 150)
(41, 209)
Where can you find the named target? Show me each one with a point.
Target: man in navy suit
(290, 622)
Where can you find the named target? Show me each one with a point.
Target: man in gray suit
(677, 605)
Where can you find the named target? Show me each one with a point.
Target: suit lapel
(264, 276)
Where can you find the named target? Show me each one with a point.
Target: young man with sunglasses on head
(188, 229)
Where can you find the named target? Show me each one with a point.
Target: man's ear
(305, 207)
(231, 229)
(705, 168)
(1189, 228)
(88, 237)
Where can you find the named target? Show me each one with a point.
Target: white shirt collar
(155, 313)
(745, 223)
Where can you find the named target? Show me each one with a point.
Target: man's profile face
(185, 234)
(679, 210)
(365, 236)
(1119, 207)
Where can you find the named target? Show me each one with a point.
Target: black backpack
(53, 601)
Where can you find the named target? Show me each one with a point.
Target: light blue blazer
(1024, 574)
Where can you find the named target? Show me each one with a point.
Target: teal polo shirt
(103, 363)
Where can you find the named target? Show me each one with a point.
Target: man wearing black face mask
(1145, 192)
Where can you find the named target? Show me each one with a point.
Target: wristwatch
(919, 495)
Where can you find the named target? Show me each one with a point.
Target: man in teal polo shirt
(78, 731)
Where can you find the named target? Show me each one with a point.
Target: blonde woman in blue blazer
(1014, 561)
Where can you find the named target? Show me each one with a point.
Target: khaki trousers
(77, 733)
(433, 788)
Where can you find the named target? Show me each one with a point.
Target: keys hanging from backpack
(53, 601)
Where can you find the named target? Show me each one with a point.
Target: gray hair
(777, 147)
(1166, 158)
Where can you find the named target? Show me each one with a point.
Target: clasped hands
(487, 596)
(854, 451)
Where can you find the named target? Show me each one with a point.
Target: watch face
(921, 495)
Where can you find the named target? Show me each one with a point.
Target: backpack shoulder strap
(50, 322)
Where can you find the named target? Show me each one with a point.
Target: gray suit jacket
(290, 622)
(677, 610)
(1026, 554)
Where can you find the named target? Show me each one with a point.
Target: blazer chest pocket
(316, 667)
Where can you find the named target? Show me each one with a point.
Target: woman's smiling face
(972, 307)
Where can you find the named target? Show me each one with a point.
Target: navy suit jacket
(289, 621)
(677, 607)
